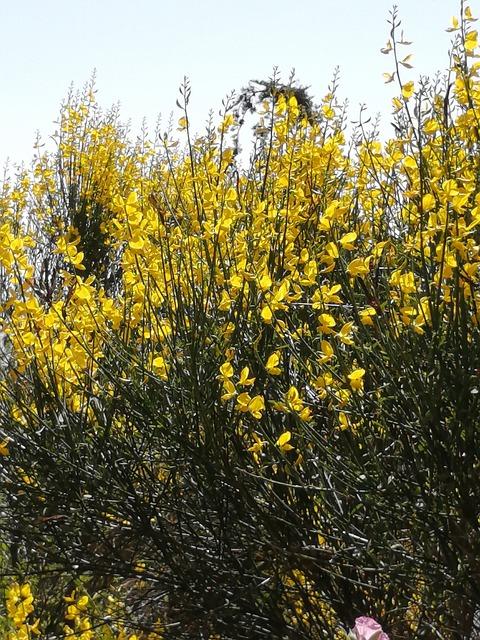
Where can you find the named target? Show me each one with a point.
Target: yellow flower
(428, 202)
(358, 267)
(265, 282)
(367, 315)
(408, 89)
(471, 41)
(83, 289)
(356, 379)
(409, 162)
(283, 442)
(327, 351)
(332, 250)
(4, 447)
(343, 421)
(272, 364)
(347, 241)
(137, 242)
(254, 405)
(244, 380)
(225, 302)
(229, 390)
(266, 314)
(345, 334)
(293, 400)
(160, 367)
(258, 445)
(327, 322)
(226, 370)
(227, 123)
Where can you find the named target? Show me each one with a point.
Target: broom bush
(240, 400)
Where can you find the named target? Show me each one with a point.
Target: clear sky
(141, 49)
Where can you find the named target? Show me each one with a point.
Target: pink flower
(368, 629)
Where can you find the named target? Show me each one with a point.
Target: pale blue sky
(142, 49)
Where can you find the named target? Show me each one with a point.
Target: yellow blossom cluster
(19, 601)
(318, 243)
(79, 622)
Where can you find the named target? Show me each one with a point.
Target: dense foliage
(243, 401)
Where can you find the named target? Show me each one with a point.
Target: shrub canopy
(242, 401)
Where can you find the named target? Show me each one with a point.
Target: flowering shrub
(242, 402)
